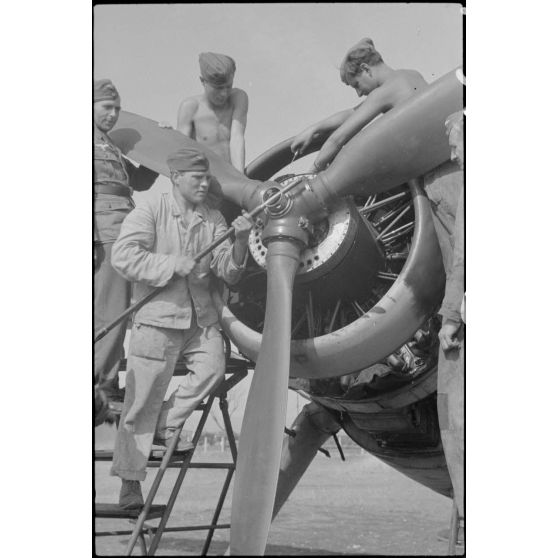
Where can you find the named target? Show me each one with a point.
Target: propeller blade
(261, 437)
(402, 144)
(144, 141)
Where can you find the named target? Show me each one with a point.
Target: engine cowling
(355, 261)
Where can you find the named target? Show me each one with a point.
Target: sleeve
(141, 178)
(131, 253)
(222, 261)
(455, 284)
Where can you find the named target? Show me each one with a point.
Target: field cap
(104, 90)
(188, 159)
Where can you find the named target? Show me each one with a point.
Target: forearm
(354, 123)
(451, 305)
(334, 121)
(330, 123)
(455, 284)
(240, 249)
(238, 153)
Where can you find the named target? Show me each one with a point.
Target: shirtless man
(364, 70)
(217, 118)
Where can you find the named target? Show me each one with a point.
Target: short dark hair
(364, 52)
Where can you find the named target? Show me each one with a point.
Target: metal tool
(270, 201)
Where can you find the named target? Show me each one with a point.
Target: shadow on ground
(194, 547)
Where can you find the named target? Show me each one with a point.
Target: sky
(287, 55)
(287, 58)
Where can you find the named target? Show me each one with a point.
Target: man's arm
(301, 141)
(377, 102)
(238, 127)
(131, 253)
(185, 120)
(229, 259)
(455, 284)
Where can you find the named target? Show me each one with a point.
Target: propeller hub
(343, 236)
(281, 206)
(286, 221)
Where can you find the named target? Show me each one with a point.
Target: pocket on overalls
(148, 342)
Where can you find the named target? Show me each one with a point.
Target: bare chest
(213, 126)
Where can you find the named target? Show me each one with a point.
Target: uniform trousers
(451, 415)
(111, 294)
(153, 354)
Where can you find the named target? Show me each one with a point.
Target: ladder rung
(115, 511)
(176, 461)
(197, 528)
(206, 465)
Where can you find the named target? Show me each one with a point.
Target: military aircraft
(338, 301)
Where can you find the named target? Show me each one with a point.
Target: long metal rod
(334, 317)
(393, 213)
(102, 332)
(298, 324)
(310, 314)
(398, 231)
(381, 203)
(390, 226)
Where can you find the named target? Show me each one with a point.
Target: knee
(218, 371)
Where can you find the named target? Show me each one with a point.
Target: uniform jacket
(151, 238)
(444, 188)
(112, 169)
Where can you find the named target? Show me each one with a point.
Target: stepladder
(165, 488)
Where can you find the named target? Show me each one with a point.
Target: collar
(100, 136)
(201, 210)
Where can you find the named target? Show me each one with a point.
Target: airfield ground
(360, 507)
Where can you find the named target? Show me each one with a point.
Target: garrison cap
(188, 159)
(216, 68)
(104, 90)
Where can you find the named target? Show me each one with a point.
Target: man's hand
(184, 265)
(165, 124)
(326, 155)
(448, 334)
(242, 225)
(301, 142)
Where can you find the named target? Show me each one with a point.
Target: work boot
(164, 439)
(130, 495)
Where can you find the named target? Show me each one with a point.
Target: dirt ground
(359, 507)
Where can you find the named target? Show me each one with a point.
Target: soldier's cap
(188, 159)
(104, 90)
(217, 69)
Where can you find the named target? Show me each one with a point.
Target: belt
(114, 190)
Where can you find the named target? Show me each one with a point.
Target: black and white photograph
(235, 323)
(279, 284)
